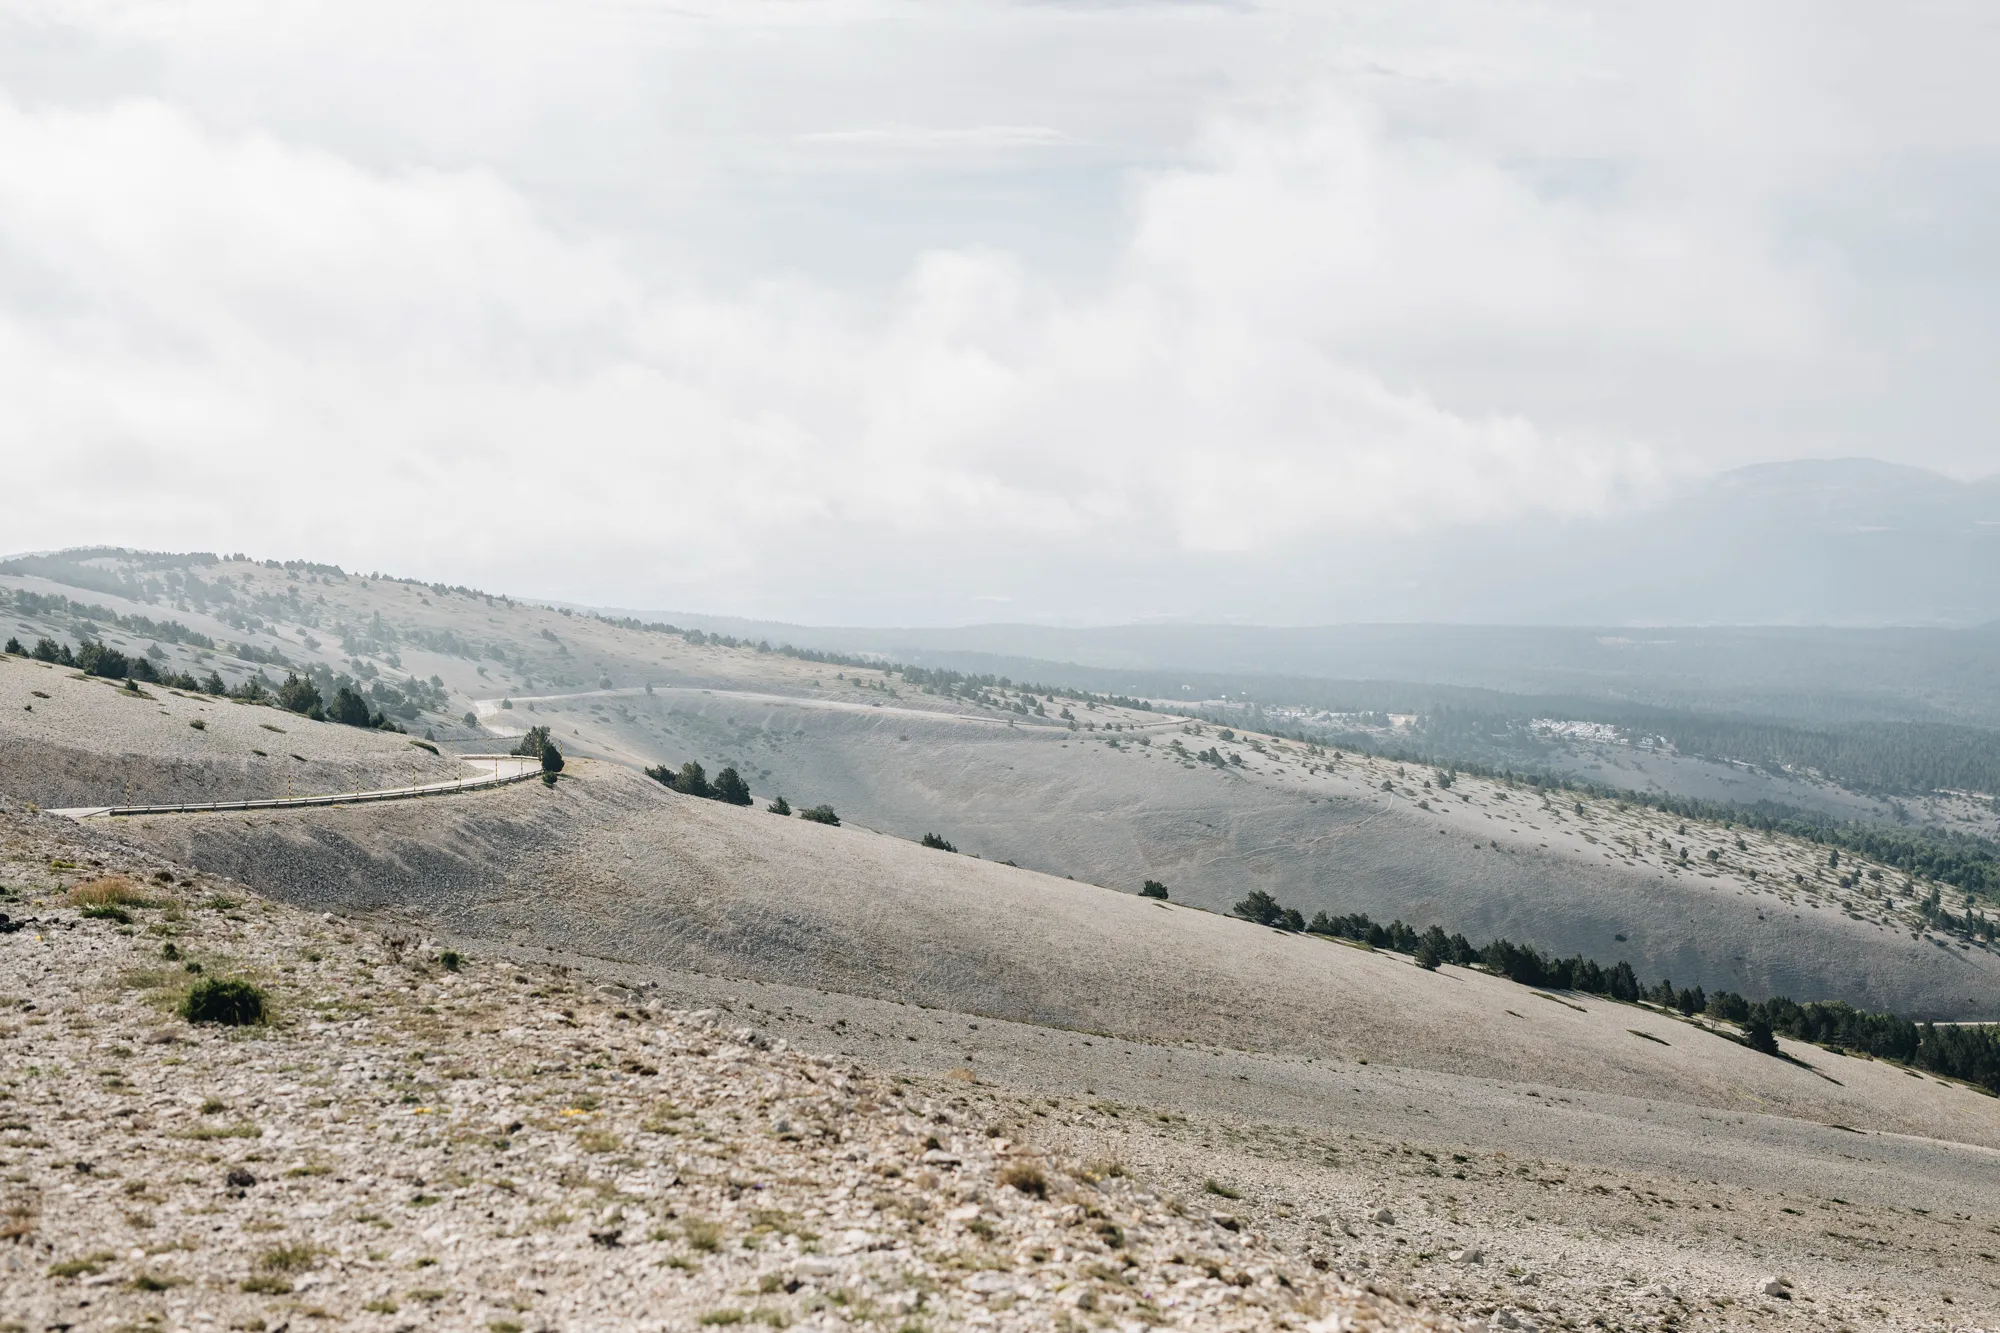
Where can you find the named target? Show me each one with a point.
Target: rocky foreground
(415, 1139)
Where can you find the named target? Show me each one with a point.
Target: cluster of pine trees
(690, 780)
(1969, 1053)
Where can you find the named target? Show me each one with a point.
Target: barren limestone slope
(1768, 917)
(1093, 803)
(414, 1139)
(611, 865)
(76, 740)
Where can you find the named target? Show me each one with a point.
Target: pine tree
(299, 695)
(1260, 907)
(730, 788)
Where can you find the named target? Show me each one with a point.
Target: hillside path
(506, 768)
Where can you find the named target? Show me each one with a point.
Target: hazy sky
(942, 311)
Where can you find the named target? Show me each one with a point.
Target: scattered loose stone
(405, 1144)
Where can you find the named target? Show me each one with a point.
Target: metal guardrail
(304, 802)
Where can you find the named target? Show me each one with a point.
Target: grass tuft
(1027, 1178)
(109, 891)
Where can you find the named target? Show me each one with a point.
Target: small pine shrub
(821, 814)
(14, 648)
(1152, 888)
(1260, 907)
(1757, 1036)
(934, 841)
(451, 960)
(229, 1002)
(730, 788)
(781, 806)
(300, 695)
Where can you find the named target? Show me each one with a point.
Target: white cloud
(1329, 313)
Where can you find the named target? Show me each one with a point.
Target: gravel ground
(75, 740)
(414, 1140)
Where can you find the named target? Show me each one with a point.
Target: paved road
(494, 770)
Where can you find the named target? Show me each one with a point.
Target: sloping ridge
(609, 864)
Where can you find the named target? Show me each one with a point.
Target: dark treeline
(1970, 1053)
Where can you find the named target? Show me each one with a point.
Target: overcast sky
(873, 311)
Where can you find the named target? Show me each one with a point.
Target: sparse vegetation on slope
(1970, 1053)
(536, 1149)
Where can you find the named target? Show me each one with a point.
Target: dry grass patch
(109, 891)
(289, 1259)
(1027, 1178)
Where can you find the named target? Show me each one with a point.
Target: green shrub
(821, 814)
(552, 761)
(730, 788)
(533, 743)
(934, 841)
(14, 648)
(781, 806)
(300, 695)
(1260, 907)
(95, 659)
(1152, 888)
(349, 709)
(451, 960)
(229, 1002)
(1758, 1037)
